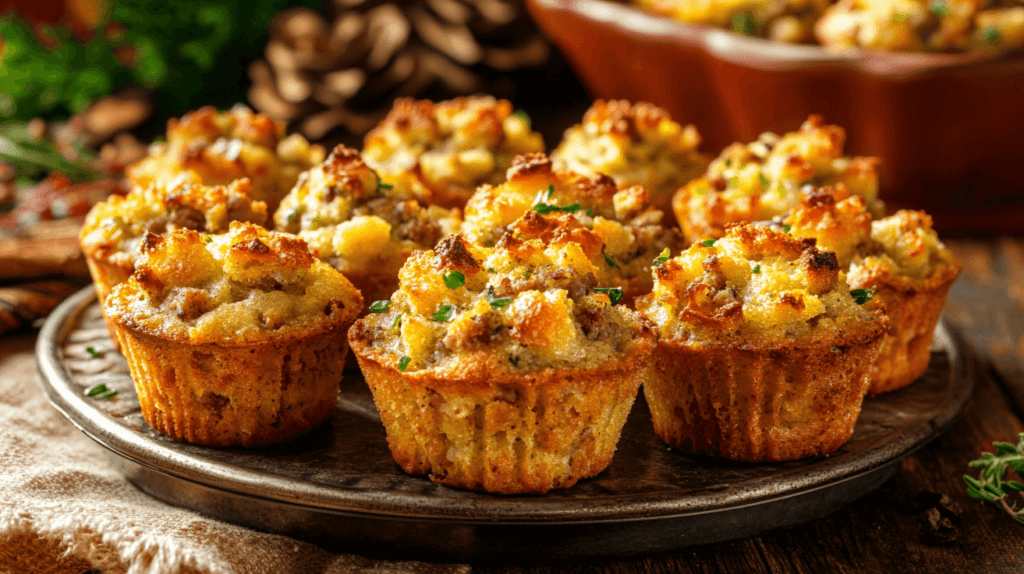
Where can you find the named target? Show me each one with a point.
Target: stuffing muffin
(790, 21)
(923, 25)
(763, 180)
(765, 354)
(636, 144)
(233, 339)
(216, 148)
(360, 226)
(632, 231)
(441, 152)
(504, 369)
(114, 228)
(897, 259)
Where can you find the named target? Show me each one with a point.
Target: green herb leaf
(551, 191)
(93, 352)
(207, 239)
(861, 296)
(380, 306)
(590, 211)
(396, 326)
(940, 9)
(764, 179)
(786, 228)
(497, 302)
(611, 262)
(100, 391)
(454, 279)
(744, 23)
(993, 35)
(403, 362)
(383, 185)
(444, 313)
(614, 294)
(991, 486)
(708, 243)
(294, 215)
(757, 270)
(491, 270)
(527, 273)
(665, 255)
(544, 208)
(524, 117)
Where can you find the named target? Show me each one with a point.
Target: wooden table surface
(881, 531)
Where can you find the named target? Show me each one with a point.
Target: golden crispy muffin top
(901, 245)
(631, 230)
(783, 21)
(119, 223)
(355, 222)
(923, 25)
(763, 179)
(207, 146)
(522, 306)
(441, 152)
(758, 288)
(636, 144)
(247, 286)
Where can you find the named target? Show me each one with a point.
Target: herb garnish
(544, 208)
(93, 352)
(497, 302)
(666, 254)
(611, 262)
(380, 306)
(100, 391)
(524, 117)
(786, 228)
(940, 8)
(444, 313)
(454, 279)
(708, 243)
(993, 35)
(527, 273)
(403, 362)
(744, 23)
(614, 294)
(990, 486)
(383, 185)
(764, 179)
(396, 326)
(861, 296)
(757, 270)
(491, 270)
(294, 215)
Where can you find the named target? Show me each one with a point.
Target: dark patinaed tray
(339, 487)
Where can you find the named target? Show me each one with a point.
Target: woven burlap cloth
(64, 511)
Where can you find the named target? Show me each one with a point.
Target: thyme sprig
(990, 485)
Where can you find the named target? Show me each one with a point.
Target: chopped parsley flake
(383, 185)
(590, 211)
(940, 9)
(666, 254)
(551, 191)
(491, 270)
(993, 35)
(523, 117)
(396, 326)
(454, 279)
(764, 179)
(861, 296)
(380, 306)
(757, 270)
(527, 273)
(444, 313)
(403, 362)
(100, 391)
(544, 208)
(614, 294)
(611, 262)
(744, 23)
(294, 215)
(786, 228)
(207, 239)
(93, 352)
(497, 302)
(708, 243)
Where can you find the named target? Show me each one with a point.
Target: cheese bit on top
(211, 147)
(798, 294)
(631, 231)
(634, 144)
(523, 305)
(763, 180)
(441, 152)
(360, 226)
(245, 285)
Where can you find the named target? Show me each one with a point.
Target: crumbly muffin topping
(630, 229)
(211, 147)
(901, 245)
(923, 25)
(789, 21)
(354, 222)
(636, 144)
(114, 228)
(757, 287)
(524, 305)
(441, 152)
(247, 285)
(763, 179)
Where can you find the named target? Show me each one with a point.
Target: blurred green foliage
(189, 54)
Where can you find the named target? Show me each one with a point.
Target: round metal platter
(339, 487)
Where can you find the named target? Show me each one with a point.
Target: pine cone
(319, 76)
